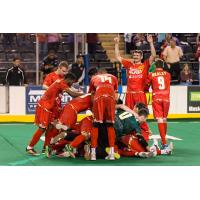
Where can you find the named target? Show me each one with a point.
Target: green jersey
(152, 67)
(125, 123)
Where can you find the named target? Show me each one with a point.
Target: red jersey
(48, 99)
(160, 81)
(81, 103)
(102, 84)
(136, 75)
(51, 78)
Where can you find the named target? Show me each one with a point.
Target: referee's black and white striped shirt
(15, 76)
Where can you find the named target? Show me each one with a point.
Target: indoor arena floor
(14, 138)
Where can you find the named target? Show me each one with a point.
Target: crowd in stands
(179, 51)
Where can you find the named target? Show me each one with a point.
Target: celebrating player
(44, 115)
(136, 73)
(49, 80)
(160, 82)
(104, 87)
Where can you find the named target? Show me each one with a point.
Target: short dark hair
(70, 76)
(137, 51)
(140, 106)
(102, 70)
(79, 55)
(16, 58)
(63, 64)
(144, 112)
(159, 63)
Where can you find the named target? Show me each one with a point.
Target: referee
(15, 75)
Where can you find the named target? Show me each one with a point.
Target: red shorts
(160, 108)
(132, 143)
(133, 98)
(56, 112)
(43, 117)
(86, 125)
(68, 116)
(104, 109)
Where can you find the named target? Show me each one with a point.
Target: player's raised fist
(116, 39)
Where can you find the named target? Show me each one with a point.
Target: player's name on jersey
(194, 108)
(158, 74)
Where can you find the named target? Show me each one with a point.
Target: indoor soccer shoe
(87, 151)
(167, 149)
(110, 157)
(43, 150)
(64, 154)
(146, 154)
(32, 152)
(93, 156)
(48, 151)
(70, 150)
(117, 155)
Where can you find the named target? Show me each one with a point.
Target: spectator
(15, 75)
(78, 69)
(139, 39)
(49, 63)
(186, 75)
(54, 40)
(128, 42)
(92, 39)
(42, 40)
(197, 54)
(162, 48)
(172, 55)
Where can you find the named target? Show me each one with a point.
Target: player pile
(113, 129)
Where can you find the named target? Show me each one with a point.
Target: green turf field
(14, 138)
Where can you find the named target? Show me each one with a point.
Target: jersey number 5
(161, 82)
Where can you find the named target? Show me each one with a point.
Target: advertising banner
(193, 105)
(33, 95)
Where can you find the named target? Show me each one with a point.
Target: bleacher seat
(100, 49)
(11, 55)
(195, 66)
(28, 56)
(190, 57)
(191, 40)
(101, 57)
(2, 56)
(186, 49)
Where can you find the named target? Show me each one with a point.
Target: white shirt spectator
(173, 55)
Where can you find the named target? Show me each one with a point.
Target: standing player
(136, 73)
(160, 82)
(44, 115)
(104, 87)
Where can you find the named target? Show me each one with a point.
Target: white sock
(111, 150)
(29, 147)
(93, 150)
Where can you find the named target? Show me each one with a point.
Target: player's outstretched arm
(117, 54)
(73, 93)
(153, 50)
(127, 109)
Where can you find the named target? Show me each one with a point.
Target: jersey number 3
(161, 82)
